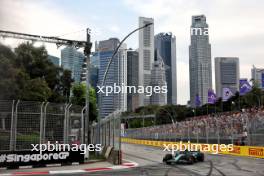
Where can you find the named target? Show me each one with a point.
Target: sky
(235, 27)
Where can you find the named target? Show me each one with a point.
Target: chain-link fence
(23, 123)
(107, 132)
(234, 128)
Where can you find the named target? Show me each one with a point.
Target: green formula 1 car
(184, 157)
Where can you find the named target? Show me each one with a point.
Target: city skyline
(244, 42)
(145, 55)
(116, 76)
(165, 44)
(132, 78)
(200, 62)
(226, 74)
(72, 60)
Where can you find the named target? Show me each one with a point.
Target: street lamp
(114, 53)
(172, 120)
(111, 60)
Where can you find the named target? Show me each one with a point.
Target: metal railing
(23, 123)
(107, 132)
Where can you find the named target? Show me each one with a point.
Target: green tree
(254, 97)
(36, 89)
(79, 97)
(66, 83)
(27, 74)
(8, 74)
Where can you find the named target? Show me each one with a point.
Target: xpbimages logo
(51, 147)
(116, 89)
(214, 148)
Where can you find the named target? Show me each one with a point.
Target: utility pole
(87, 52)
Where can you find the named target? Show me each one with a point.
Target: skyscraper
(146, 55)
(226, 74)
(94, 68)
(257, 74)
(132, 79)
(72, 60)
(200, 61)
(158, 78)
(117, 74)
(165, 44)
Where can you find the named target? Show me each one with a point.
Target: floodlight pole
(114, 53)
(108, 66)
(87, 52)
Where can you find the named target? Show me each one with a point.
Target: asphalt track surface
(149, 161)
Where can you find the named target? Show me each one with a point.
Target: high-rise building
(158, 78)
(55, 60)
(117, 75)
(94, 68)
(257, 75)
(146, 55)
(226, 74)
(132, 79)
(165, 44)
(200, 66)
(95, 59)
(73, 60)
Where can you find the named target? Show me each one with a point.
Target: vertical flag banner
(197, 100)
(211, 97)
(227, 93)
(262, 80)
(245, 87)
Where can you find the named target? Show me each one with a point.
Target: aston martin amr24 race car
(184, 157)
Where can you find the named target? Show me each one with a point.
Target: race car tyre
(168, 163)
(201, 158)
(191, 160)
(167, 157)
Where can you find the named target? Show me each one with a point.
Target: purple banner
(197, 101)
(211, 97)
(262, 80)
(245, 87)
(227, 93)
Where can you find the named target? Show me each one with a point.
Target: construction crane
(60, 42)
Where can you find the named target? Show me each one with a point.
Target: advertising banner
(262, 80)
(24, 158)
(244, 87)
(211, 97)
(227, 93)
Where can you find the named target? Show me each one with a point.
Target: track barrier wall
(247, 151)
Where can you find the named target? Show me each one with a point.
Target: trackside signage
(23, 158)
(249, 151)
(258, 152)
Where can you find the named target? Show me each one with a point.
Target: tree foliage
(79, 97)
(27, 74)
